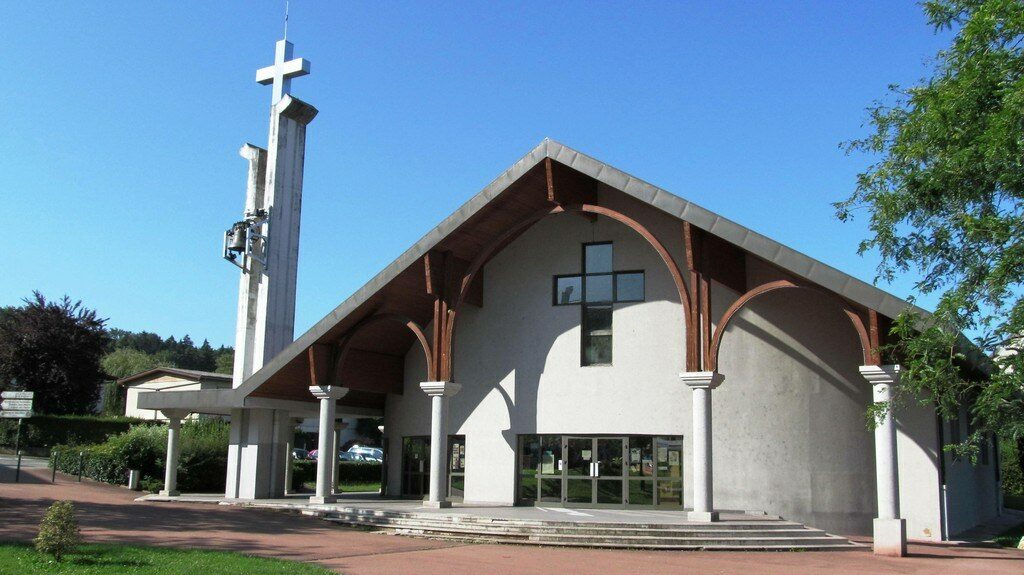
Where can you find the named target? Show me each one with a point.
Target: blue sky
(118, 146)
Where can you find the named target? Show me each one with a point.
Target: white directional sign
(16, 404)
(17, 394)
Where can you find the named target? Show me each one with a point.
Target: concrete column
(327, 453)
(339, 426)
(890, 532)
(439, 392)
(174, 417)
(289, 446)
(702, 382)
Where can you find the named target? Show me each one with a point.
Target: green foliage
(125, 361)
(1010, 471)
(202, 464)
(349, 472)
(225, 362)
(368, 428)
(58, 531)
(41, 432)
(53, 348)
(133, 352)
(128, 560)
(944, 198)
(112, 399)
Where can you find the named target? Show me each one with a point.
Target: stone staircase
(760, 534)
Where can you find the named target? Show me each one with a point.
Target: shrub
(350, 472)
(41, 432)
(58, 531)
(202, 465)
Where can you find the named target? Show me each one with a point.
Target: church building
(574, 336)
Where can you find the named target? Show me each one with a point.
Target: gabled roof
(786, 258)
(186, 374)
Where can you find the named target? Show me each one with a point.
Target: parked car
(368, 453)
(349, 456)
(300, 454)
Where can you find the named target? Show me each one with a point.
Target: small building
(167, 379)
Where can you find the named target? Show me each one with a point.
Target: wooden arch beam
(855, 319)
(346, 343)
(488, 252)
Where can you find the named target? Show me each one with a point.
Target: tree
(368, 429)
(944, 196)
(53, 349)
(125, 361)
(225, 362)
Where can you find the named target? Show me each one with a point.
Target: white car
(368, 453)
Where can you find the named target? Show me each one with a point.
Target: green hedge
(202, 466)
(350, 472)
(42, 432)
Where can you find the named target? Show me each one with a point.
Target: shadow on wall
(505, 347)
(789, 428)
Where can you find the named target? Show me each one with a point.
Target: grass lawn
(120, 559)
(349, 487)
(370, 486)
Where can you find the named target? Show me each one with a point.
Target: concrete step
(761, 535)
(586, 529)
(695, 545)
(759, 525)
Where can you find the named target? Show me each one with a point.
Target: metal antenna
(285, 19)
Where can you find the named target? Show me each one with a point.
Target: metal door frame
(595, 475)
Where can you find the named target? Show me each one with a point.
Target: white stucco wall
(971, 489)
(162, 383)
(789, 431)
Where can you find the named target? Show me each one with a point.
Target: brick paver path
(110, 514)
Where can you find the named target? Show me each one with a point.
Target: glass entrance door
(594, 470)
(415, 466)
(600, 471)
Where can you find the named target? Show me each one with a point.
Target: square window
(599, 288)
(597, 258)
(568, 290)
(629, 286)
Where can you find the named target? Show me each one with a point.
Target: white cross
(283, 70)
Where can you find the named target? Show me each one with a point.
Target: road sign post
(16, 405)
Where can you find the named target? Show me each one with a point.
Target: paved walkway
(111, 514)
(374, 501)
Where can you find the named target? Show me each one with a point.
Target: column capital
(881, 374)
(702, 379)
(178, 414)
(442, 388)
(328, 391)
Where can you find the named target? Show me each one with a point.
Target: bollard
(81, 464)
(54, 455)
(17, 470)
(133, 479)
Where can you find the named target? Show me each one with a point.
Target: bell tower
(265, 243)
(265, 246)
